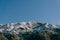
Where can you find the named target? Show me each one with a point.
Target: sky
(12, 11)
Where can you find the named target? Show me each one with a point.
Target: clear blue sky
(30, 10)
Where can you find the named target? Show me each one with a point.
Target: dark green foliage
(55, 36)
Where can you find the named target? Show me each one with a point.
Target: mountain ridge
(29, 31)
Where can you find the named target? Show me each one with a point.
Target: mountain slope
(29, 31)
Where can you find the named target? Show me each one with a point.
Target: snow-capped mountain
(26, 26)
(29, 31)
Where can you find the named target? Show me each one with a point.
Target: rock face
(29, 31)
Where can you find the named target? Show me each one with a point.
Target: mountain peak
(23, 26)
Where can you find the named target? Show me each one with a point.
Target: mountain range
(29, 31)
